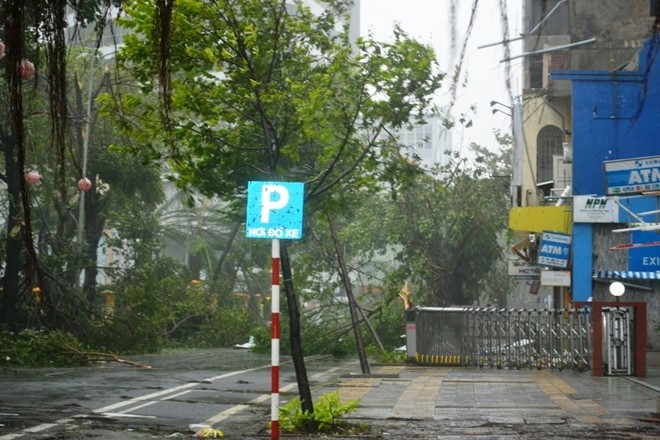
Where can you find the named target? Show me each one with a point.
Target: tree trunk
(95, 208)
(307, 405)
(371, 328)
(217, 270)
(352, 304)
(14, 247)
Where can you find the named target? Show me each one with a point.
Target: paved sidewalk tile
(475, 396)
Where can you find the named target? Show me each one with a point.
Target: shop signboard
(632, 176)
(554, 250)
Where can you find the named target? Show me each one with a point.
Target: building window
(536, 71)
(548, 143)
(419, 137)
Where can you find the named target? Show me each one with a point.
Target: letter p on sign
(273, 197)
(275, 210)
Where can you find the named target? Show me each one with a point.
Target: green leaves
(327, 415)
(39, 348)
(260, 93)
(451, 227)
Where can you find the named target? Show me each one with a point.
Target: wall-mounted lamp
(617, 289)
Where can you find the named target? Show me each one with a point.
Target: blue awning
(626, 275)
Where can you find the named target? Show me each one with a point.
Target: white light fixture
(617, 289)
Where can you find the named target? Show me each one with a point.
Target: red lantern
(26, 69)
(33, 178)
(2, 50)
(84, 184)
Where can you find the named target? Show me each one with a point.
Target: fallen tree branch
(93, 356)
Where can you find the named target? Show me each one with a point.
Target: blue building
(615, 127)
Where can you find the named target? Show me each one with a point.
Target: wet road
(195, 387)
(230, 389)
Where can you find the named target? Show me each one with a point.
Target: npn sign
(275, 210)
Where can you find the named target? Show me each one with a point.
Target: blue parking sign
(275, 210)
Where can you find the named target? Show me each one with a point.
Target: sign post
(275, 211)
(275, 342)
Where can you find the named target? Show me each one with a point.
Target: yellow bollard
(109, 305)
(36, 291)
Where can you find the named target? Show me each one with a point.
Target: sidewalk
(404, 401)
(443, 403)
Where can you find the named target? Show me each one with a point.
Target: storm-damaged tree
(268, 90)
(46, 116)
(449, 227)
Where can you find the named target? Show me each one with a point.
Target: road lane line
(228, 413)
(151, 402)
(223, 415)
(234, 373)
(107, 410)
(39, 428)
(128, 416)
(185, 386)
(36, 429)
(142, 398)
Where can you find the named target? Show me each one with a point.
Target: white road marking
(108, 410)
(134, 416)
(39, 428)
(226, 414)
(169, 394)
(185, 386)
(260, 399)
(143, 398)
(151, 402)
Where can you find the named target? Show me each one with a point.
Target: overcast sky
(428, 21)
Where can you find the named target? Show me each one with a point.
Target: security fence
(502, 338)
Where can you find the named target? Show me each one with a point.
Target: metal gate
(616, 332)
(502, 338)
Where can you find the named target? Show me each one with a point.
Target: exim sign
(632, 176)
(644, 259)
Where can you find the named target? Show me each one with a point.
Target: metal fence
(503, 338)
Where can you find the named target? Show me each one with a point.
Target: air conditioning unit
(561, 173)
(568, 152)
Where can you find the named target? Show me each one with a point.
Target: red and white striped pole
(275, 343)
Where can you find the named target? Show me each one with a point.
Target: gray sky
(428, 21)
